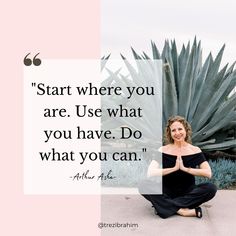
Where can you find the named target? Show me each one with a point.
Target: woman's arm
(204, 170)
(155, 170)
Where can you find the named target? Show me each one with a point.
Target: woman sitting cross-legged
(181, 161)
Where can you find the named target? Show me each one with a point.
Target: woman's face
(178, 132)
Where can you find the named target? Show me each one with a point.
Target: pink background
(56, 29)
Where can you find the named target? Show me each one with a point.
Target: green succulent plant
(202, 92)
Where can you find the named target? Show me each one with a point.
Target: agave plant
(202, 92)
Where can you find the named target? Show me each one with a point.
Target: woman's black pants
(167, 205)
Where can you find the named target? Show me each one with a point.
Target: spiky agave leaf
(104, 60)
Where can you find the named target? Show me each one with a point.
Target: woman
(180, 161)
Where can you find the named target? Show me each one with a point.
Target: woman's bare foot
(186, 212)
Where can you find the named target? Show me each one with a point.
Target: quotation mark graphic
(35, 61)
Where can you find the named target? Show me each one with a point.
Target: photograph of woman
(181, 162)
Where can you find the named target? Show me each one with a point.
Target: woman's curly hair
(188, 129)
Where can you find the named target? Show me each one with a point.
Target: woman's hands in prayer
(179, 165)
